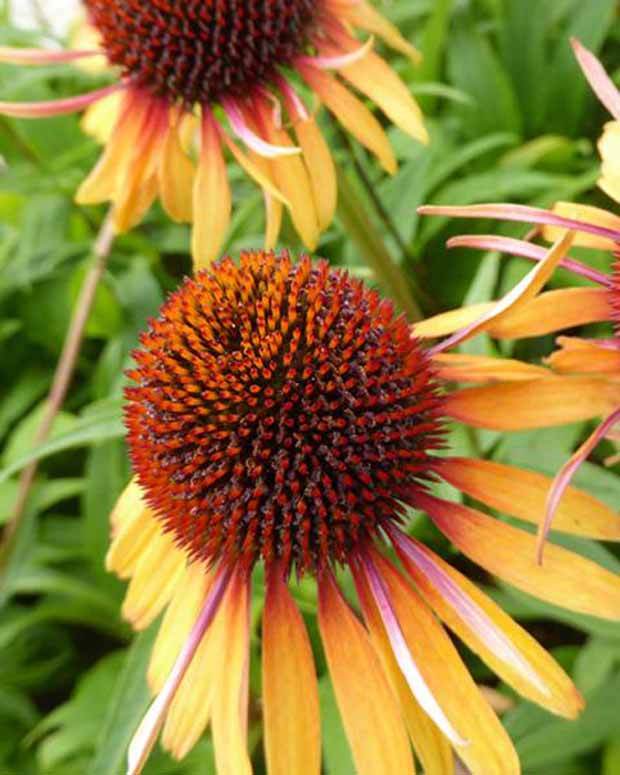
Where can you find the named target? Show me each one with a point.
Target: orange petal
(369, 711)
(566, 579)
(552, 688)
(212, 197)
(363, 15)
(539, 403)
(588, 214)
(523, 494)
(372, 76)
(320, 167)
(431, 747)
(273, 221)
(230, 700)
(578, 356)
(489, 750)
(258, 172)
(459, 367)
(290, 693)
(554, 311)
(352, 114)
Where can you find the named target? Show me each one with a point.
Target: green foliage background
(511, 119)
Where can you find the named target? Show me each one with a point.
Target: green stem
(360, 229)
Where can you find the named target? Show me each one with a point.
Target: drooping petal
(561, 482)
(251, 139)
(146, 735)
(566, 579)
(176, 177)
(581, 356)
(540, 403)
(321, 170)
(101, 117)
(522, 494)
(506, 647)
(41, 56)
(415, 680)
(460, 367)
(363, 15)
(373, 77)
(523, 292)
(520, 213)
(230, 701)
(129, 504)
(257, 171)
(352, 114)
(585, 214)
(155, 578)
(274, 210)
(290, 693)
(431, 747)
(132, 538)
(489, 750)
(56, 107)
(601, 83)
(369, 712)
(212, 197)
(181, 614)
(529, 250)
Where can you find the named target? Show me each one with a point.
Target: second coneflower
(228, 66)
(283, 415)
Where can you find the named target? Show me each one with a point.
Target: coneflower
(233, 68)
(282, 418)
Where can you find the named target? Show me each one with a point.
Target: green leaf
(129, 701)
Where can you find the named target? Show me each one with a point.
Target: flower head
(229, 69)
(283, 415)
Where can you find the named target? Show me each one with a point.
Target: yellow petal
(523, 494)
(290, 694)
(431, 747)
(609, 148)
(352, 114)
(176, 178)
(129, 505)
(293, 181)
(273, 221)
(154, 581)
(588, 214)
(488, 749)
(190, 710)
(260, 173)
(100, 118)
(364, 16)
(449, 322)
(177, 623)
(375, 78)
(460, 367)
(320, 166)
(553, 689)
(565, 578)
(131, 541)
(539, 403)
(367, 705)
(230, 700)
(212, 197)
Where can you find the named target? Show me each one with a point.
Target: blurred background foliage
(510, 118)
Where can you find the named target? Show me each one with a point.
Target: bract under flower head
(281, 411)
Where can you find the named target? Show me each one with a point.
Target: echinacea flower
(280, 421)
(590, 368)
(232, 68)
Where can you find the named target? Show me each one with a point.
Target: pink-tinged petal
(41, 56)
(523, 249)
(341, 60)
(146, 735)
(525, 290)
(466, 609)
(566, 473)
(410, 670)
(520, 213)
(56, 107)
(601, 83)
(250, 138)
